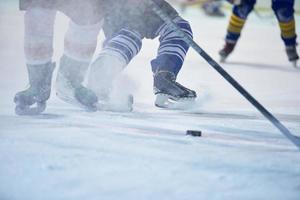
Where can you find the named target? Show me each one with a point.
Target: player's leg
(168, 63)
(38, 38)
(106, 70)
(79, 46)
(237, 20)
(284, 10)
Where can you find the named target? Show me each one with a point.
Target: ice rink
(69, 154)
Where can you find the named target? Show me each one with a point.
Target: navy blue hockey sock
(172, 49)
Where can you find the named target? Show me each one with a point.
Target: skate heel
(162, 101)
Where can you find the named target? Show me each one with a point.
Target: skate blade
(73, 101)
(167, 102)
(36, 109)
(112, 106)
(99, 106)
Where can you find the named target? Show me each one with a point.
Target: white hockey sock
(81, 41)
(38, 35)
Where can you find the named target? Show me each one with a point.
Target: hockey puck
(194, 133)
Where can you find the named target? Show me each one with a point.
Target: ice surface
(69, 154)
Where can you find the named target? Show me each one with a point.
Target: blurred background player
(79, 45)
(284, 11)
(213, 8)
(210, 7)
(124, 29)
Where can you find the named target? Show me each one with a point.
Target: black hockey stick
(165, 17)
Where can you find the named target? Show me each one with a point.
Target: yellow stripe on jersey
(288, 29)
(235, 24)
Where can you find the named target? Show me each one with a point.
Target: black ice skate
(227, 49)
(292, 55)
(169, 93)
(69, 86)
(33, 100)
